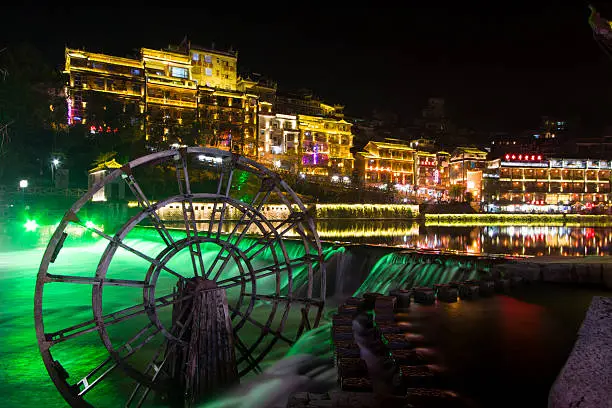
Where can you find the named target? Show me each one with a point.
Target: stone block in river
(342, 320)
(469, 291)
(416, 376)
(390, 328)
(352, 367)
(346, 399)
(585, 380)
(403, 298)
(385, 303)
(502, 285)
(396, 341)
(587, 273)
(407, 357)
(369, 299)
(342, 333)
(424, 296)
(486, 288)
(354, 301)
(446, 293)
(384, 317)
(347, 309)
(557, 272)
(434, 398)
(357, 384)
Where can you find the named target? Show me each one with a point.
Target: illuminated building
(183, 95)
(114, 190)
(466, 168)
(386, 164)
(279, 141)
(535, 179)
(443, 169)
(325, 146)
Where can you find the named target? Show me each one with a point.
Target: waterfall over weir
(360, 269)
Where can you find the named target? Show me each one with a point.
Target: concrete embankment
(588, 270)
(586, 379)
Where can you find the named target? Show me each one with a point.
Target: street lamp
(23, 184)
(54, 163)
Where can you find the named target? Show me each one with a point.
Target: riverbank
(458, 220)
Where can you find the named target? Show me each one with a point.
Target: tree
(28, 97)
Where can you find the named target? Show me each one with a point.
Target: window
(179, 72)
(195, 56)
(208, 71)
(208, 59)
(135, 71)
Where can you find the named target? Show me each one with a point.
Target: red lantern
(539, 157)
(520, 157)
(513, 157)
(507, 157)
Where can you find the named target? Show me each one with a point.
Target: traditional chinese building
(466, 167)
(325, 144)
(536, 179)
(385, 163)
(184, 95)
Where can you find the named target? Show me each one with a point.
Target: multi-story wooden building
(534, 178)
(325, 144)
(184, 95)
(384, 163)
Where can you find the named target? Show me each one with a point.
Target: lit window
(179, 72)
(208, 71)
(195, 56)
(207, 59)
(135, 71)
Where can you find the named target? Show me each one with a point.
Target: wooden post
(206, 364)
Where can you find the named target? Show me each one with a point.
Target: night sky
(499, 68)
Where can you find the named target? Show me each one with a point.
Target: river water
(501, 351)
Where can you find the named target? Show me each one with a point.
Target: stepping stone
(348, 309)
(417, 375)
(358, 384)
(469, 291)
(403, 298)
(407, 357)
(396, 341)
(424, 295)
(446, 293)
(352, 368)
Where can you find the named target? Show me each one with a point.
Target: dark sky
(498, 67)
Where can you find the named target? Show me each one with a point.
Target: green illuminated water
(405, 270)
(25, 382)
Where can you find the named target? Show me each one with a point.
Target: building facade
(383, 164)
(187, 95)
(466, 165)
(536, 179)
(325, 146)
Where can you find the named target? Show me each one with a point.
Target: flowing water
(501, 351)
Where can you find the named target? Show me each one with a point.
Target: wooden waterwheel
(228, 275)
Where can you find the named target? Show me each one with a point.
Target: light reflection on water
(514, 240)
(491, 239)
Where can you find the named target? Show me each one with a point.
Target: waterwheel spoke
(245, 354)
(265, 242)
(106, 320)
(241, 236)
(285, 299)
(265, 271)
(191, 230)
(109, 364)
(220, 192)
(150, 209)
(266, 329)
(117, 241)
